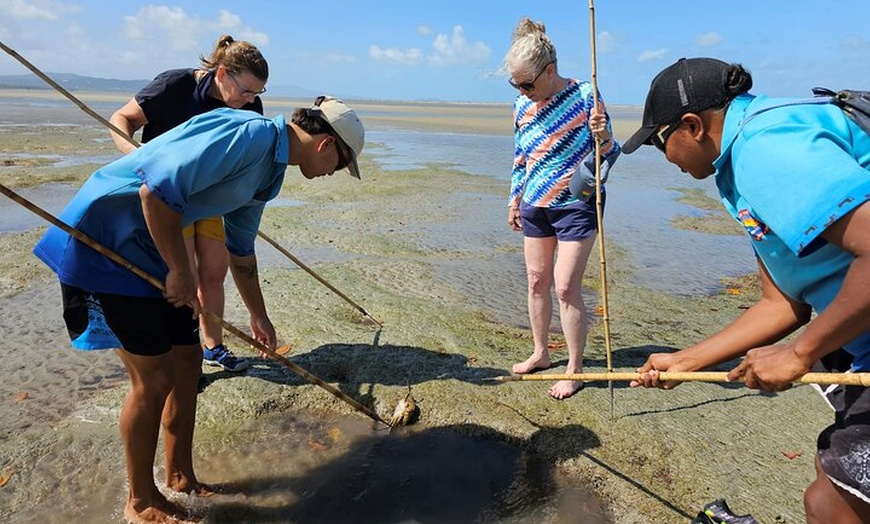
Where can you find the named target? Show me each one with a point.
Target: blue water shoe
(223, 357)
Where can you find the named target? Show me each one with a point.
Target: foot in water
(533, 363)
(199, 489)
(163, 512)
(565, 389)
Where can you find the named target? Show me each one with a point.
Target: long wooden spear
(848, 379)
(151, 279)
(134, 143)
(599, 209)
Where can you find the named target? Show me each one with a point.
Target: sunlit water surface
(305, 468)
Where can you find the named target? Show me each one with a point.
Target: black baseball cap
(690, 85)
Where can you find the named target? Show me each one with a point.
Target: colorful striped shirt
(552, 140)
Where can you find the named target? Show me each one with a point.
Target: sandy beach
(426, 251)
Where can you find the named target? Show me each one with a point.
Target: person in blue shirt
(234, 75)
(796, 177)
(222, 163)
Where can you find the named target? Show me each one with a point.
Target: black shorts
(144, 326)
(844, 446)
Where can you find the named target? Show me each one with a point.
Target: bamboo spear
(126, 264)
(848, 379)
(320, 279)
(599, 210)
(134, 143)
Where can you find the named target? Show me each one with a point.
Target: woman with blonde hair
(552, 192)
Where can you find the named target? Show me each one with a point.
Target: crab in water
(406, 411)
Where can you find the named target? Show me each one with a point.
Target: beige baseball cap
(346, 124)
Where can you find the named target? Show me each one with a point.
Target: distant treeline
(71, 82)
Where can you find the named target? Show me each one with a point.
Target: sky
(447, 50)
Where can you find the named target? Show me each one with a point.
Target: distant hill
(73, 82)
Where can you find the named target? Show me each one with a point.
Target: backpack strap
(824, 96)
(817, 100)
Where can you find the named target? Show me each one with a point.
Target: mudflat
(421, 251)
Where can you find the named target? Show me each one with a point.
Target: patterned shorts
(844, 446)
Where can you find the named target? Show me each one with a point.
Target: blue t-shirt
(225, 162)
(788, 174)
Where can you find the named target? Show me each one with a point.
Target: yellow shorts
(210, 228)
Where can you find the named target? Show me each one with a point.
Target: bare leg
(150, 383)
(827, 503)
(539, 273)
(179, 417)
(568, 275)
(212, 260)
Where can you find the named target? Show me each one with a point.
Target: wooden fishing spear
(599, 209)
(847, 379)
(151, 279)
(11, 52)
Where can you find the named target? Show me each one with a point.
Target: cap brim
(353, 168)
(639, 138)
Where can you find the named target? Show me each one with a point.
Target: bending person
(233, 76)
(796, 177)
(138, 207)
(552, 193)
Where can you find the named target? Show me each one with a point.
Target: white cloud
(230, 23)
(399, 56)
(708, 39)
(424, 30)
(34, 9)
(651, 55)
(455, 49)
(173, 27)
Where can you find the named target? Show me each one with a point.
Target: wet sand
(417, 250)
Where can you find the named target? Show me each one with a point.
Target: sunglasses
(246, 92)
(660, 137)
(528, 86)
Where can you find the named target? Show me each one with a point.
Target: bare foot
(200, 489)
(530, 364)
(153, 515)
(565, 389)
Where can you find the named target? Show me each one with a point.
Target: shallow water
(641, 198)
(324, 468)
(305, 468)
(641, 201)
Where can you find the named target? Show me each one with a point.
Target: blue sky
(446, 49)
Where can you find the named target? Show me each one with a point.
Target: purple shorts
(573, 222)
(144, 326)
